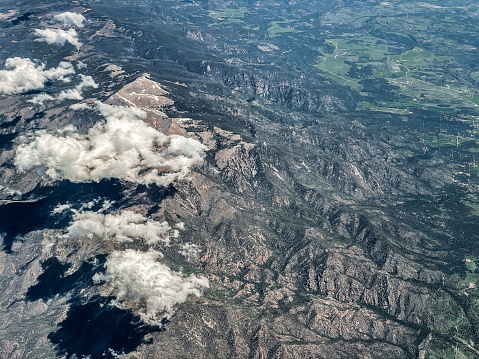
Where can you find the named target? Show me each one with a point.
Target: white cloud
(180, 226)
(123, 226)
(69, 94)
(40, 99)
(67, 129)
(147, 286)
(123, 147)
(89, 205)
(120, 112)
(189, 250)
(61, 208)
(81, 65)
(70, 18)
(58, 36)
(80, 106)
(86, 81)
(8, 15)
(61, 72)
(22, 75)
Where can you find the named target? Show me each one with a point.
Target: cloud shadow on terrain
(94, 328)
(53, 280)
(19, 218)
(22, 217)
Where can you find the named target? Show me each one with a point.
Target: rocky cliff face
(356, 273)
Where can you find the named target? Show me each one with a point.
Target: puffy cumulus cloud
(22, 75)
(62, 72)
(58, 36)
(123, 147)
(123, 226)
(70, 19)
(150, 287)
